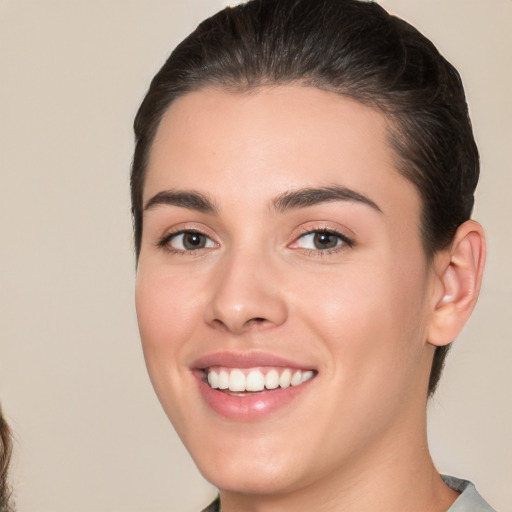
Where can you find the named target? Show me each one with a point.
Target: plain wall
(90, 434)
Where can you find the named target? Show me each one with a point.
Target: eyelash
(346, 242)
(164, 242)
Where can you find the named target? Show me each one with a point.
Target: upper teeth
(255, 380)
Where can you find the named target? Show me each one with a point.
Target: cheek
(167, 312)
(166, 307)
(370, 317)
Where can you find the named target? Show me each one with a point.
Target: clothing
(468, 501)
(214, 506)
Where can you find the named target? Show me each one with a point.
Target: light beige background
(90, 435)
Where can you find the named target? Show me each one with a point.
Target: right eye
(186, 241)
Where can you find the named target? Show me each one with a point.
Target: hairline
(393, 131)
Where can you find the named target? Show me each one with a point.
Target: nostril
(252, 321)
(256, 322)
(219, 323)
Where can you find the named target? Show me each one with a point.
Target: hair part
(349, 47)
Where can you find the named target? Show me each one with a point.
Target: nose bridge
(246, 291)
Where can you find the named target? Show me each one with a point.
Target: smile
(250, 386)
(240, 380)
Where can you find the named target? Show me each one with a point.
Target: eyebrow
(305, 197)
(189, 200)
(290, 200)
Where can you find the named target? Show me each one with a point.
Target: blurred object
(5, 457)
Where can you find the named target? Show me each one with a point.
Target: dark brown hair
(5, 457)
(352, 48)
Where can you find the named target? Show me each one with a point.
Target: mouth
(249, 386)
(244, 381)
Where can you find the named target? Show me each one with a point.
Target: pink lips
(247, 406)
(245, 360)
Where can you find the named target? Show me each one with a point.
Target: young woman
(302, 186)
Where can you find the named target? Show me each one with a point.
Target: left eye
(190, 241)
(320, 240)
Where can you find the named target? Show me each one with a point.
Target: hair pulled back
(349, 47)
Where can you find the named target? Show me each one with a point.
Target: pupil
(325, 241)
(193, 241)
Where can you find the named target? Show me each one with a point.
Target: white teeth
(306, 376)
(235, 380)
(223, 380)
(255, 381)
(285, 379)
(213, 379)
(296, 378)
(272, 379)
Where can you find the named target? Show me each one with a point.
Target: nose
(246, 295)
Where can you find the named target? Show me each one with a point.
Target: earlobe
(459, 276)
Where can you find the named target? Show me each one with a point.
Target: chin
(248, 466)
(260, 479)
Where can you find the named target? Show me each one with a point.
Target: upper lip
(246, 360)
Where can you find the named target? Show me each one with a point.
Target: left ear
(459, 272)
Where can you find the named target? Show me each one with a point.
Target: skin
(360, 314)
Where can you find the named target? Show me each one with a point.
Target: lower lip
(250, 406)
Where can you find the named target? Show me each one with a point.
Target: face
(282, 294)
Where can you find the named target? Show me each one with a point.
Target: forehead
(274, 139)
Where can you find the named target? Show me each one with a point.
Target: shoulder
(469, 499)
